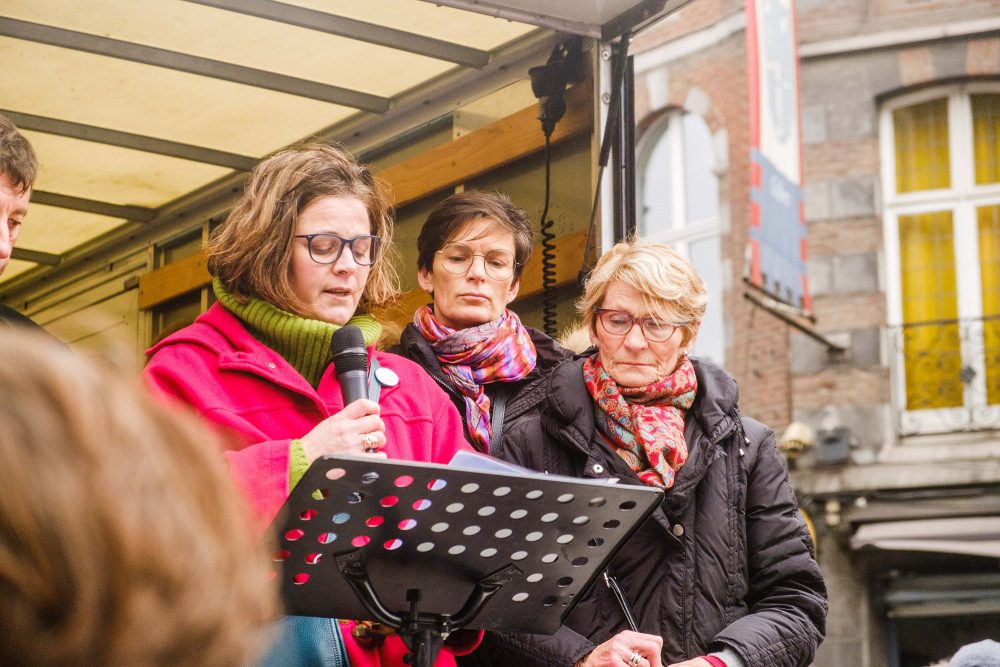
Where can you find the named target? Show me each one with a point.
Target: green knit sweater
(303, 343)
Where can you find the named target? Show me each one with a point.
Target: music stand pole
(423, 633)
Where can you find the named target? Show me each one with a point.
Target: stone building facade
(900, 118)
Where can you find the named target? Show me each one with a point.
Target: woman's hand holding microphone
(357, 429)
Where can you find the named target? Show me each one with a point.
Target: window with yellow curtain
(931, 338)
(988, 219)
(986, 165)
(942, 207)
(921, 138)
(986, 137)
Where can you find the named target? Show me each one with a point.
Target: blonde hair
(251, 251)
(122, 539)
(670, 286)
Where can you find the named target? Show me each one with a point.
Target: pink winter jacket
(262, 403)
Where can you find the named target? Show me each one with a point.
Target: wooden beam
(499, 143)
(494, 145)
(174, 279)
(569, 252)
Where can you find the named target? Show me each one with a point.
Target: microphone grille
(348, 348)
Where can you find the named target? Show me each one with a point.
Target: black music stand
(428, 549)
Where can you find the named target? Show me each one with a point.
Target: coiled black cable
(548, 252)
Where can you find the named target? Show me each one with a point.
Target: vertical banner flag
(777, 243)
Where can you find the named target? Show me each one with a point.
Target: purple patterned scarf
(498, 351)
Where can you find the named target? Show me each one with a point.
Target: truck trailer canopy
(145, 115)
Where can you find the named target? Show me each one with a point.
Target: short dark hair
(17, 157)
(446, 220)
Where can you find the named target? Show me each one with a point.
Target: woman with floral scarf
(471, 252)
(722, 574)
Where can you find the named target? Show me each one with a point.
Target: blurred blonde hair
(575, 337)
(669, 284)
(251, 251)
(122, 539)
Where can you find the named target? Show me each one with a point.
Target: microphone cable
(548, 83)
(548, 251)
(614, 104)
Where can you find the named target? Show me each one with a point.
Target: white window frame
(961, 198)
(682, 237)
(684, 233)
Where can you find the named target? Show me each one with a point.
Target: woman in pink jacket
(306, 250)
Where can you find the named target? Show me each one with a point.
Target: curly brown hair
(251, 251)
(122, 539)
(17, 157)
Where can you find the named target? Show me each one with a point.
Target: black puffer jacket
(726, 561)
(415, 347)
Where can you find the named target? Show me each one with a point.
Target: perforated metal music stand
(429, 549)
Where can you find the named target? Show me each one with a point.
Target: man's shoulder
(14, 318)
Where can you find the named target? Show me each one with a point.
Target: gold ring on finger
(369, 440)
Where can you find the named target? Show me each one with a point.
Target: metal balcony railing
(946, 375)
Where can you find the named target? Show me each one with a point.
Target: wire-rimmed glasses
(326, 248)
(457, 258)
(620, 323)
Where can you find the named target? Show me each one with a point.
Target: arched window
(941, 179)
(678, 191)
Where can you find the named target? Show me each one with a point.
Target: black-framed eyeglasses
(457, 258)
(327, 248)
(620, 323)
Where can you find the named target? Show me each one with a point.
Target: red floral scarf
(498, 351)
(646, 423)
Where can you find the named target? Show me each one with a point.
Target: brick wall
(821, 20)
(841, 97)
(841, 165)
(691, 18)
(713, 83)
(783, 373)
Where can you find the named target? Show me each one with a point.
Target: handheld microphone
(350, 362)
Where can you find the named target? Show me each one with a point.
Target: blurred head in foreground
(122, 539)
